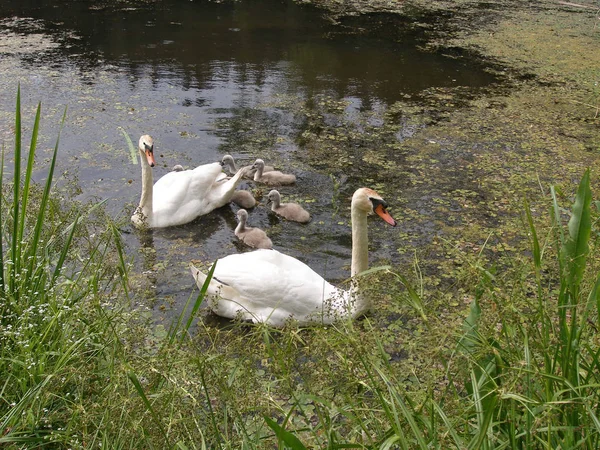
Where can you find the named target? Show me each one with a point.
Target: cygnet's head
(258, 164)
(242, 215)
(228, 161)
(274, 196)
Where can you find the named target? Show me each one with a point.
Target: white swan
(229, 162)
(180, 196)
(271, 287)
(289, 211)
(272, 178)
(251, 236)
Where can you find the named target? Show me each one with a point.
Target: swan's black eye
(378, 201)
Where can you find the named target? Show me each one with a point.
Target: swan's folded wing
(267, 280)
(183, 194)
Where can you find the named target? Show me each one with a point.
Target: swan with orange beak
(271, 287)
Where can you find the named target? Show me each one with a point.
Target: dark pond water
(205, 79)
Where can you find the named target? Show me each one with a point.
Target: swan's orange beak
(150, 157)
(381, 212)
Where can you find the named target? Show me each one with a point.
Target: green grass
(81, 368)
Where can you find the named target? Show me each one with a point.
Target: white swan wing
(180, 197)
(269, 286)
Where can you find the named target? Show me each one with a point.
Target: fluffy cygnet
(253, 237)
(244, 199)
(273, 178)
(289, 211)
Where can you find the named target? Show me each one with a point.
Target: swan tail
(214, 288)
(237, 178)
(230, 186)
(201, 278)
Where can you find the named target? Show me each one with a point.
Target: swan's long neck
(145, 206)
(360, 260)
(360, 244)
(276, 202)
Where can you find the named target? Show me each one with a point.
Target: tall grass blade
(199, 299)
(132, 151)
(573, 253)
(138, 387)
(14, 254)
(556, 210)
(284, 436)
(485, 406)
(576, 248)
(29, 170)
(201, 296)
(2, 286)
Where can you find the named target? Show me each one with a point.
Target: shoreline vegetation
(491, 343)
(83, 369)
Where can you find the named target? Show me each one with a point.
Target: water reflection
(205, 79)
(197, 44)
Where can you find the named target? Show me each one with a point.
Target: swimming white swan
(272, 178)
(289, 211)
(251, 236)
(180, 196)
(271, 287)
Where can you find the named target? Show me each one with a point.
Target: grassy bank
(82, 368)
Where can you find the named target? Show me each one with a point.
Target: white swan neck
(276, 202)
(360, 245)
(259, 172)
(360, 304)
(241, 226)
(147, 187)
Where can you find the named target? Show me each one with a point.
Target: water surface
(206, 79)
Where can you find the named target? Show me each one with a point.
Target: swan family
(271, 287)
(263, 285)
